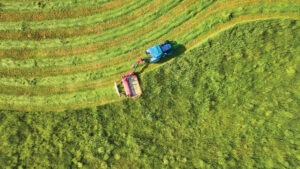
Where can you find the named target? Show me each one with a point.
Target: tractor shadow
(179, 49)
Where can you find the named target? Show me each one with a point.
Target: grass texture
(230, 101)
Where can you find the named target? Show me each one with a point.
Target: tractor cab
(159, 51)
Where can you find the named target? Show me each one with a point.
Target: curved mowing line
(68, 70)
(12, 6)
(82, 30)
(106, 82)
(75, 104)
(72, 22)
(62, 13)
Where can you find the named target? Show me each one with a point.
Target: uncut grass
(243, 19)
(72, 22)
(23, 7)
(260, 32)
(82, 30)
(62, 13)
(207, 28)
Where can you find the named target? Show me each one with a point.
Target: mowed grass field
(231, 100)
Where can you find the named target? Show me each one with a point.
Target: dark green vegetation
(232, 102)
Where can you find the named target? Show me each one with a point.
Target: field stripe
(50, 6)
(82, 30)
(61, 14)
(72, 22)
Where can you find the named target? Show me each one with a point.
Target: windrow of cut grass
(82, 30)
(68, 69)
(72, 22)
(68, 99)
(46, 6)
(62, 13)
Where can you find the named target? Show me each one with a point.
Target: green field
(228, 98)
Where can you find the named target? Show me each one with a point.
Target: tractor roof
(155, 51)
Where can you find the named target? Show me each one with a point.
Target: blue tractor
(155, 53)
